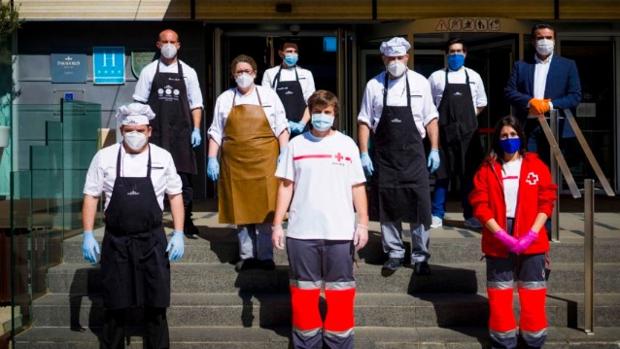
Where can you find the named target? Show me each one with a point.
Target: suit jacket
(562, 87)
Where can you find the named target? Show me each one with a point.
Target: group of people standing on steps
(275, 148)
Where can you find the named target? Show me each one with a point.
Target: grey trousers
(391, 237)
(255, 241)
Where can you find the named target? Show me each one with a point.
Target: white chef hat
(395, 47)
(134, 114)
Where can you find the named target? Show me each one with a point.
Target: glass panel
(595, 114)
(54, 145)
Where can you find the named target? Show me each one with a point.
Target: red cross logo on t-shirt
(532, 178)
(339, 157)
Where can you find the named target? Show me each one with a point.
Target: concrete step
(365, 338)
(219, 245)
(79, 279)
(372, 309)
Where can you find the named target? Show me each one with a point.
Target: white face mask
(169, 51)
(135, 140)
(544, 47)
(244, 80)
(396, 68)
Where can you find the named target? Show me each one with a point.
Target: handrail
(589, 155)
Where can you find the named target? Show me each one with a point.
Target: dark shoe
(391, 266)
(246, 264)
(422, 268)
(190, 230)
(267, 264)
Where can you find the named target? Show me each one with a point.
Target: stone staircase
(215, 307)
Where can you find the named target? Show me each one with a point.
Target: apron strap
(276, 78)
(118, 163)
(148, 164)
(385, 89)
(257, 95)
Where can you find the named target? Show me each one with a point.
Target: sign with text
(68, 68)
(468, 24)
(109, 65)
(139, 60)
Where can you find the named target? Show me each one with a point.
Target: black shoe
(190, 230)
(391, 266)
(246, 264)
(422, 268)
(267, 264)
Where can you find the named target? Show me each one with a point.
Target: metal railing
(559, 168)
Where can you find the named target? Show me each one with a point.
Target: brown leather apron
(247, 187)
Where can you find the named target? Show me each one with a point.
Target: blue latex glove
(296, 127)
(367, 164)
(90, 247)
(176, 246)
(433, 160)
(196, 138)
(213, 169)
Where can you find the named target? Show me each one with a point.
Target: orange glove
(539, 106)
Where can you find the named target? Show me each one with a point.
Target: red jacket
(537, 194)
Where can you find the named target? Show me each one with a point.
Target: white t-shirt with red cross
(323, 170)
(511, 171)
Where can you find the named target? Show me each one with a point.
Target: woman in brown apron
(250, 127)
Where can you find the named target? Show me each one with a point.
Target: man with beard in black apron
(170, 87)
(135, 270)
(293, 84)
(459, 94)
(398, 107)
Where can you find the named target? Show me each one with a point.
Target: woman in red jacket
(513, 195)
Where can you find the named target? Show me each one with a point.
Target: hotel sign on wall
(468, 24)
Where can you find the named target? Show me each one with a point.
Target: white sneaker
(472, 223)
(436, 222)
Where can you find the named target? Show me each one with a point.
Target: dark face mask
(510, 145)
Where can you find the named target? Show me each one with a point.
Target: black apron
(457, 124)
(291, 95)
(172, 126)
(401, 177)
(135, 270)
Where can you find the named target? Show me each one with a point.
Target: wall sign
(139, 60)
(68, 68)
(109, 65)
(468, 24)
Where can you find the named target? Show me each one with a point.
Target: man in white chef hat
(134, 175)
(398, 107)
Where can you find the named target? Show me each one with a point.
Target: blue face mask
(456, 61)
(291, 59)
(322, 122)
(510, 145)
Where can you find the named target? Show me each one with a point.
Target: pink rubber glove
(526, 241)
(507, 240)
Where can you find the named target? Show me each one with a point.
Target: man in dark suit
(541, 83)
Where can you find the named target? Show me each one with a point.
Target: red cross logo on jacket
(339, 157)
(532, 178)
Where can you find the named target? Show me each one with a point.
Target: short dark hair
(455, 41)
(242, 59)
(513, 122)
(287, 44)
(539, 26)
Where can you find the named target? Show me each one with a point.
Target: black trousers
(155, 323)
(188, 194)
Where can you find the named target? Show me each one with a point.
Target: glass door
(596, 114)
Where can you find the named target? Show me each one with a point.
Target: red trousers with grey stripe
(529, 272)
(315, 264)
